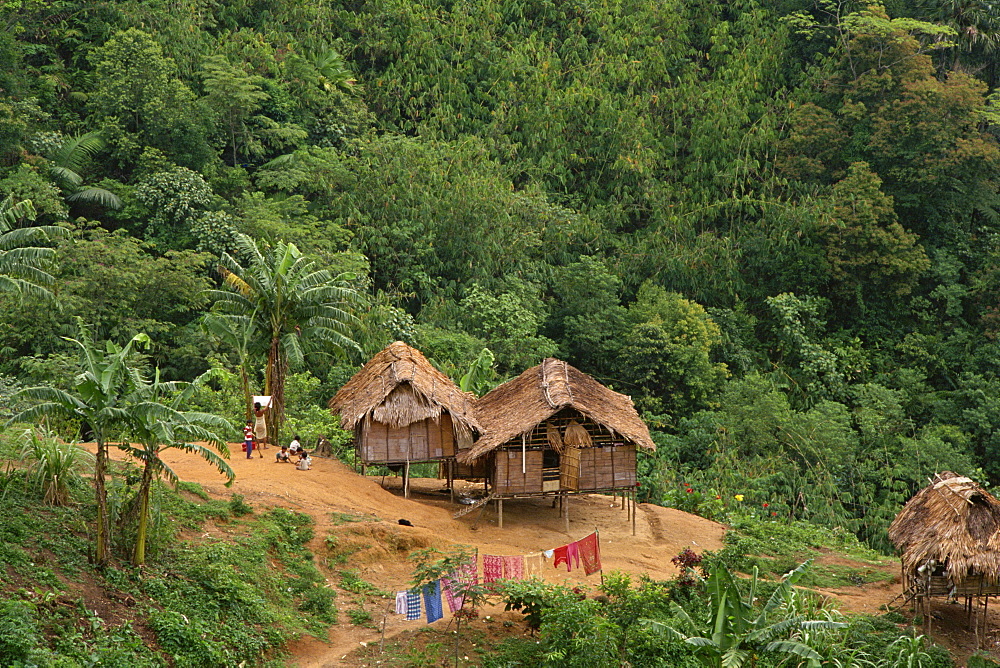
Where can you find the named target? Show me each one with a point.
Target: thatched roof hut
(519, 405)
(951, 524)
(403, 409)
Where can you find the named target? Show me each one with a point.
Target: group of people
(255, 438)
(286, 453)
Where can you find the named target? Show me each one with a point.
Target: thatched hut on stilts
(948, 537)
(556, 431)
(404, 411)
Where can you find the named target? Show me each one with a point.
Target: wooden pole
(633, 512)
(500, 513)
(406, 480)
(381, 642)
(567, 512)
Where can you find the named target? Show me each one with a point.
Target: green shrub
(19, 635)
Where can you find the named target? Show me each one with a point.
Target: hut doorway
(550, 470)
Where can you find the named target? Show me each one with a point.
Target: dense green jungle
(775, 225)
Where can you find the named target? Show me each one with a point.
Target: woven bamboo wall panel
(513, 478)
(422, 441)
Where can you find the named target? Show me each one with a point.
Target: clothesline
(585, 552)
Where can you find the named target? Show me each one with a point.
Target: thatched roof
(519, 405)
(952, 521)
(398, 387)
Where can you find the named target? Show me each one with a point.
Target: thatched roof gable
(518, 405)
(398, 387)
(952, 521)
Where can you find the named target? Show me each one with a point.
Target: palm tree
(296, 308)
(237, 332)
(22, 261)
(736, 633)
(97, 399)
(66, 164)
(158, 424)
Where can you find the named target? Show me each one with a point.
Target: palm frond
(95, 195)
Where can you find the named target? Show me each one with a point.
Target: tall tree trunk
(139, 554)
(275, 387)
(247, 397)
(101, 550)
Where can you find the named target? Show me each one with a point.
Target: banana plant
(737, 634)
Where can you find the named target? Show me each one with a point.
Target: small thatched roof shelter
(398, 387)
(519, 405)
(953, 522)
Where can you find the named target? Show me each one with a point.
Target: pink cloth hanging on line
(454, 600)
(590, 553)
(573, 555)
(492, 568)
(513, 567)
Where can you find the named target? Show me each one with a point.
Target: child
(282, 456)
(294, 447)
(305, 463)
(248, 439)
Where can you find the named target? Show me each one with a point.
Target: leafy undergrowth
(232, 592)
(839, 559)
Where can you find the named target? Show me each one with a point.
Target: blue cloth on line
(412, 605)
(432, 601)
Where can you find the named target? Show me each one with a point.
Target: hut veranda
(403, 411)
(554, 430)
(948, 538)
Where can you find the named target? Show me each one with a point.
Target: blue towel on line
(432, 601)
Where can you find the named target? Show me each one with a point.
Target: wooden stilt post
(406, 480)
(633, 512)
(986, 619)
(567, 511)
(500, 513)
(451, 480)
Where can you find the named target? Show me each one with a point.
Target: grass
(234, 598)
(776, 548)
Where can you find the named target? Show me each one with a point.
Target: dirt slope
(530, 525)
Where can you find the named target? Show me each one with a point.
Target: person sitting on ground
(294, 447)
(305, 462)
(282, 456)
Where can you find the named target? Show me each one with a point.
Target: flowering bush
(690, 499)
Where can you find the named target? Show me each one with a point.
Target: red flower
(765, 504)
(774, 513)
(689, 490)
(717, 496)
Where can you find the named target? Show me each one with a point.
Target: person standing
(248, 439)
(260, 425)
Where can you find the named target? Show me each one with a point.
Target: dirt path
(331, 490)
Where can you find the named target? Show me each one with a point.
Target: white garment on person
(294, 446)
(303, 464)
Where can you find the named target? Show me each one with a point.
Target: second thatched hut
(948, 535)
(555, 430)
(402, 410)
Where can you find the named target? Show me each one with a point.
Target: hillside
(332, 490)
(363, 516)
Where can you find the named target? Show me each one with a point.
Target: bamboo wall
(609, 463)
(510, 477)
(607, 466)
(427, 440)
